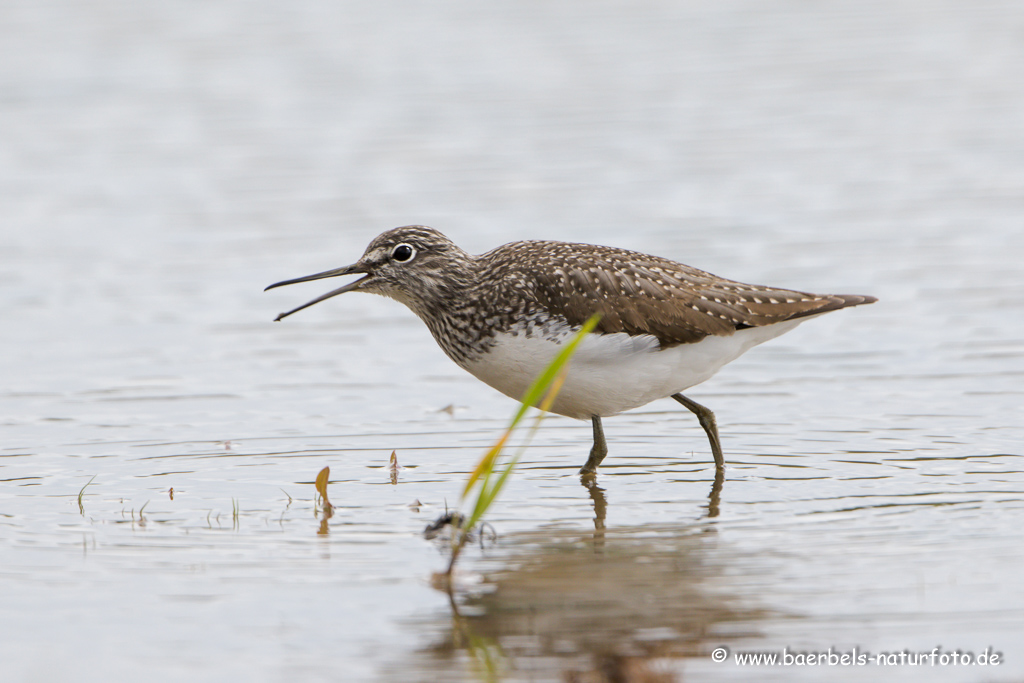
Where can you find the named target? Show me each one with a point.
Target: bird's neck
(454, 306)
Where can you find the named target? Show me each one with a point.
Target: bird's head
(415, 265)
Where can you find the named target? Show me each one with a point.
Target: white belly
(611, 373)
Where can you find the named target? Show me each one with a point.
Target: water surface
(161, 165)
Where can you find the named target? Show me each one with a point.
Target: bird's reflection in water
(600, 509)
(601, 502)
(715, 497)
(615, 604)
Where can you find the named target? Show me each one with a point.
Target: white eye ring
(403, 253)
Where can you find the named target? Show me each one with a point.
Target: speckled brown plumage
(531, 287)
(640, 294)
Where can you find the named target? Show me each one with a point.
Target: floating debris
(449, 523)
(393, 467)
(321, 487)
(444, 524)
(322, 480)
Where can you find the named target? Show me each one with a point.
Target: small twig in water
(81, 508)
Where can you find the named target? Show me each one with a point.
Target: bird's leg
(707, 421)
(598, 450)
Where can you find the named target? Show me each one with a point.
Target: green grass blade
(543, 390)
(81, 507)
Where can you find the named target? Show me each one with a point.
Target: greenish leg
(707, 421)
(598, 450)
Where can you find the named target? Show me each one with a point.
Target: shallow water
(161, 165)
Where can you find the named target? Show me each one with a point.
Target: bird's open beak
(347, 270)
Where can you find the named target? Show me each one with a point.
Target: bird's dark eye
(403, 253)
